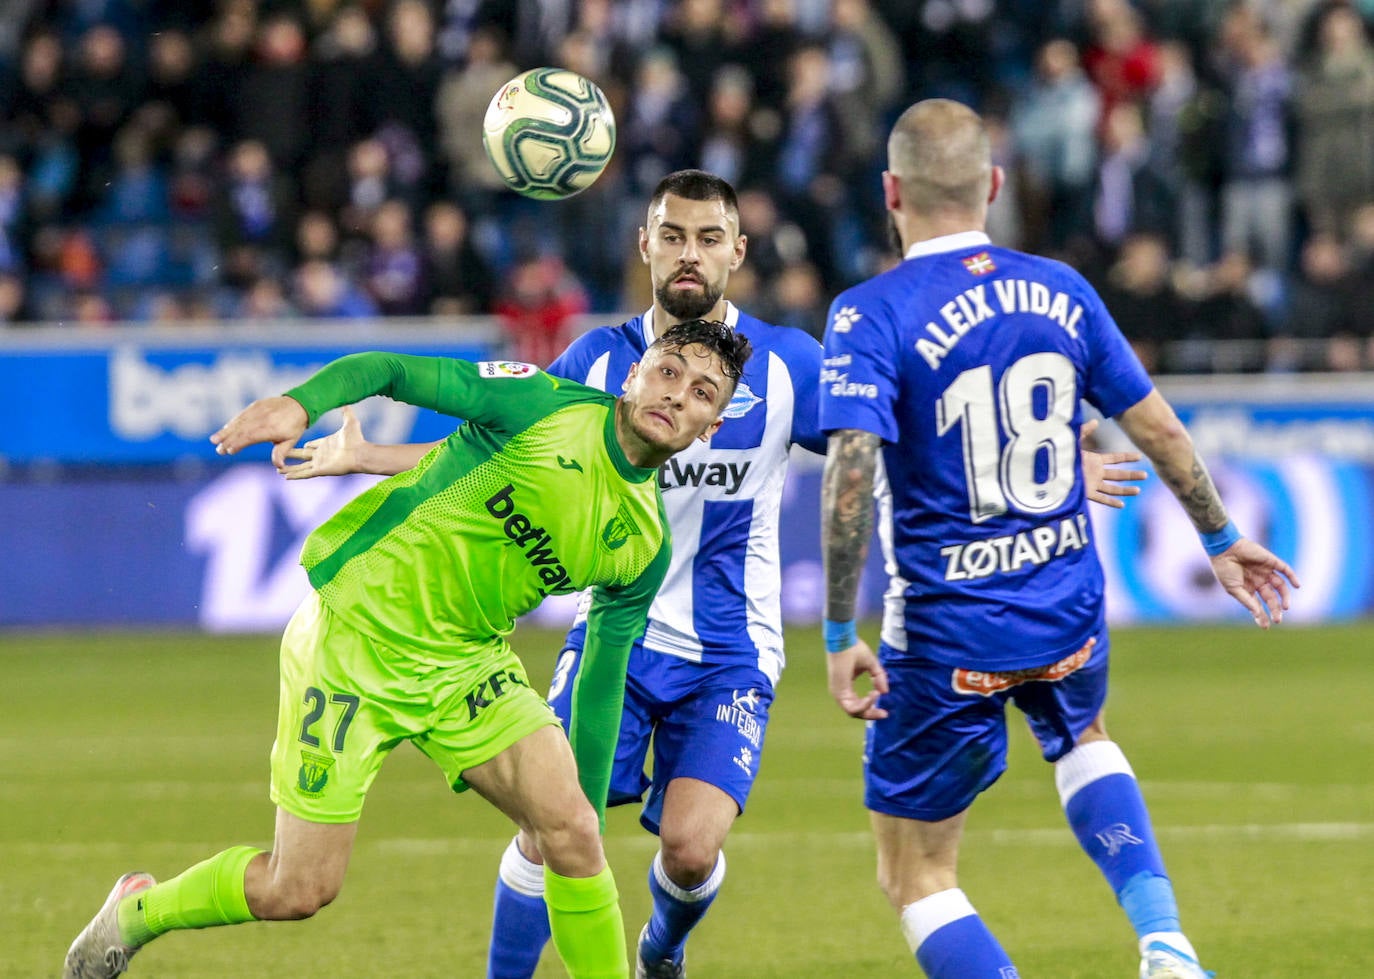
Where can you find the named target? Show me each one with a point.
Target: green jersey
(531, 496)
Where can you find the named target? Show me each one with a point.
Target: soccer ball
(549, 132)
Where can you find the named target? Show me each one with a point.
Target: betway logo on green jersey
(534, 541)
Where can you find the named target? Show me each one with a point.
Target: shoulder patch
(845, 318)
(494, 369)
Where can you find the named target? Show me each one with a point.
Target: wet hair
(732, 348)
(696, 185)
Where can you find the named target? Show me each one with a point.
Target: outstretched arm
(846, 525)
(1250, 574)
(348, 451)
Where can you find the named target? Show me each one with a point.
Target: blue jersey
(970, 362)
(721, 601)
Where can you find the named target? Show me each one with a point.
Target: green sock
(208, 894)
(588, 930)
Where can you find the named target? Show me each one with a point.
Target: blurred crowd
(1208, 165)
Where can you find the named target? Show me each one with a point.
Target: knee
(571, 842)
(688, 861)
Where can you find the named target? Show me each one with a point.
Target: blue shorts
(945, 737)
(705, 722)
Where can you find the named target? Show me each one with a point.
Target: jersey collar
(948, 243)
(646, 322)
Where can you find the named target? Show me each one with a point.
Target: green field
(1256, 752)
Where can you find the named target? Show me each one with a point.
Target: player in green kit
(548, 487)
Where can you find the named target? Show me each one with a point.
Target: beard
(687, 305)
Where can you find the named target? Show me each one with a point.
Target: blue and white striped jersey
(721, 601)
(970, 362)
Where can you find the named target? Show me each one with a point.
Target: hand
(843, 668)
(331, 455)
(1101, 484)
(1255, 578)
(280, 420)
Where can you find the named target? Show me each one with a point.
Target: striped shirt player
(964, 369)
(704, 672)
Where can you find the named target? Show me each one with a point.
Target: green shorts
(347, 700)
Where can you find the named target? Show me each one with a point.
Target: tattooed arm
(1248, 572)
(846, 526)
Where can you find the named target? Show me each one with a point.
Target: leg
(1106, 810)
(687, 870)
(942, 743)
(918, 871)
(534, 782)
(520, 921)
(302, 874)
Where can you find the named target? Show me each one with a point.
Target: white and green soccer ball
(549, 132)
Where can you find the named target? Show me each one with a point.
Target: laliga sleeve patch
(505, 368)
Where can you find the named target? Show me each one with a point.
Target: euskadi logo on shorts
(314, 774)
(619, 529)
(985, 683)
(505, 368)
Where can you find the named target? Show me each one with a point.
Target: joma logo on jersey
(728, 474)
(534, 541)
(489, 689)
(619, 529)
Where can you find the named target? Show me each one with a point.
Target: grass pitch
(1256, 752)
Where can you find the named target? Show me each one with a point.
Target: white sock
(521, 874)
(923, 918)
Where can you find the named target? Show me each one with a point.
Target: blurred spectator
(1256, 199)
(1121, 60)
(867, 75)
(370, 183)
(1054, 127)
(1334, 106)
(770, 46)
(695, 32)
(461, 104)
(1220, 304)
(659, 133)
(1139, 291)
(1320, 305)
(106, 90)
(800, 299)
(404, 82)
(392, 272)
(739, 141)
(273, 101)
(13, 215)
(537, 307)
(264, 301)
(171, 75)
(1184, 119)
(138, 188)
(255, 205)
(322, 291)
(338, 113)
(191, 184)
(317, 236)
(220, 77)
(1130, 197)
(459, 280)
(14, 300)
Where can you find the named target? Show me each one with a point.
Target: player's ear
(741, 245)
(999, 177)
(629, 378)
(892, 191)
(644, 244)
(711, 429)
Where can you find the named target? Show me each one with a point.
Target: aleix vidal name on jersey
(975, 305)
(1012, 552)
(534, 541)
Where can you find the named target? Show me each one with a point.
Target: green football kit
(421, 577)
(417, 583)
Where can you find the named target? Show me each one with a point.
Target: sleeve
(1116, 380)
(616, 620)
(500, 394)
(858, 381)
(804, 364)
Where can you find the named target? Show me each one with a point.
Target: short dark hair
(731, 347)
(696, 185)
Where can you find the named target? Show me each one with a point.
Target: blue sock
(1104, 807)
(520, 922)
(676, 910)
(950, 941)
